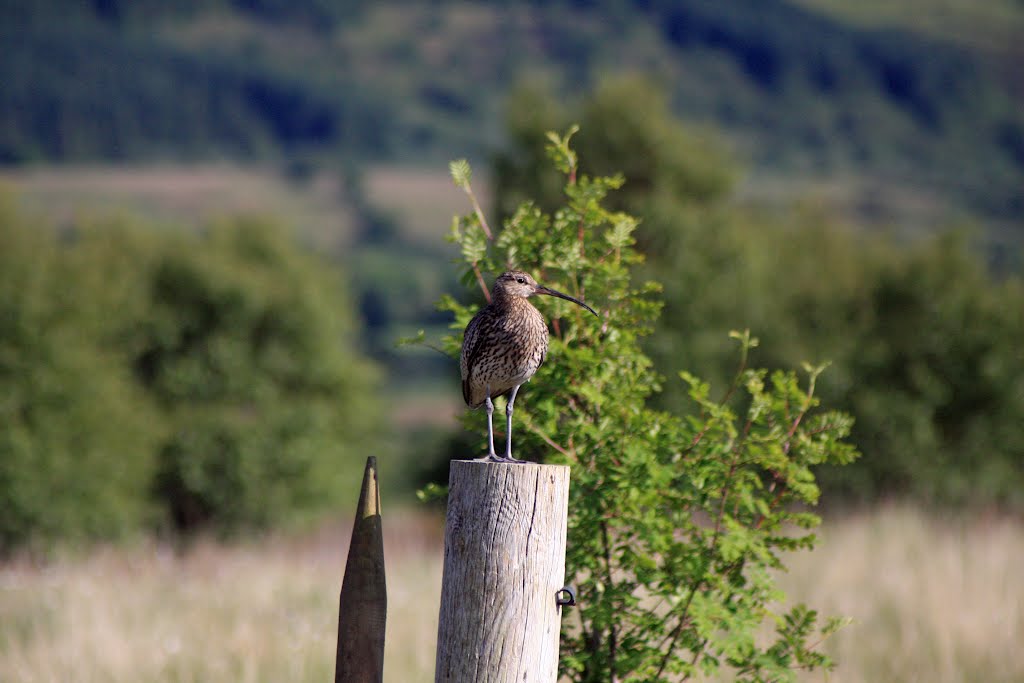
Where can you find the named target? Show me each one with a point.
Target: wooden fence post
(363, 604)
(504, 564)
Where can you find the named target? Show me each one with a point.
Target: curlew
(503, 346)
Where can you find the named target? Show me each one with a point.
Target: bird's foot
(494, 457)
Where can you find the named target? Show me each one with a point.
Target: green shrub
(676, 523)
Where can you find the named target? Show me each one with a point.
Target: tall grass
(931, 600)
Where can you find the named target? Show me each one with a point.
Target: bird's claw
(494, 457)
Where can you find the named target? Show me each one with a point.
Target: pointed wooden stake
(363, 604)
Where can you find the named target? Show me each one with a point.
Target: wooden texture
(504, 562)
(363, 604)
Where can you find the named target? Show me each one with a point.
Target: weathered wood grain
(503, 566)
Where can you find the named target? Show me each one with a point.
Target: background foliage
(922, 338)
(164, 379)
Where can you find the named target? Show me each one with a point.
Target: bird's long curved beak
(541, 289)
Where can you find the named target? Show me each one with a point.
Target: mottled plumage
(503, 346)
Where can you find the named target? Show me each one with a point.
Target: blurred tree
(626, 127)
(937, 380)
(173, 379)
(248, 348)
(76, 433)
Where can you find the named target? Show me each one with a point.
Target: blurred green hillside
(926, 97)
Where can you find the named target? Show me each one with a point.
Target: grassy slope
(932, 601)
(991, 26)
(420, 201)
(805, 89)
(187, 196)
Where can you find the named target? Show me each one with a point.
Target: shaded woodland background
(218, 217)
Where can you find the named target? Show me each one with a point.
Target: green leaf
(461, 173)
(620, 234)
(419, 338)
(432, 493)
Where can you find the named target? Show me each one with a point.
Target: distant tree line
(804, 92)
(74, 94)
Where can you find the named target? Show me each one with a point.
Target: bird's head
(517, 284)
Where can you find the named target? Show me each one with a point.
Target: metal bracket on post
(566, 596)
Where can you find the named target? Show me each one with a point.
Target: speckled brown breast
(504, 345)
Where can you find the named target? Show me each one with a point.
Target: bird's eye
(521, 281)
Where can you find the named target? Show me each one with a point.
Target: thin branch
(547, 439)
(579, 237)
(479, 212)
(736, 379)
(612, 634)
(674, 636)
(775, 501)
(439, 350)
(725, 399)
(727, 485)
(796, 423)
(480, 281)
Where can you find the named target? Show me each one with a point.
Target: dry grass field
(181, 195)
(933, 601)
(421, 200)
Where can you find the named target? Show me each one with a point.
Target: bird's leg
(508, 425)
(490, 428)
(489, 405)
